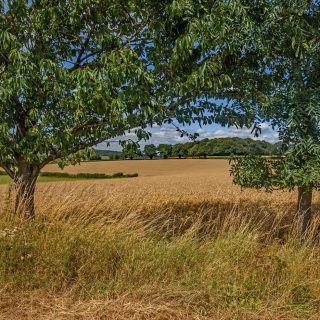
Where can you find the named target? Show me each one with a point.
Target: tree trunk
(305, 207)
(25, 182)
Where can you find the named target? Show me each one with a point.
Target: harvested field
(154, 168)
(177, 242)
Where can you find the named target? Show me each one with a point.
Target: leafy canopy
(150, 150)
(287, 56)
(75, 73)
(165, 150)
(131, 150)
(72, 74)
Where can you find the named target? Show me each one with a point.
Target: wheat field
(178, 242)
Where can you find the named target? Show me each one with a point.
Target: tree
(179, 150)
(75, 73)
(150, 150)
(165, 150)
(193, 151)
(202, 151)
(131, 150)
(94, 155)
(72, 74)
(288, 98)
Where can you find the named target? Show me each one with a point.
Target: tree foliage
(150, 150)
(286, 47)
(131, 150)
(75, 73)
(289, 99)
(180, 150)
(230, 146)
(165, 150)
(72, 75)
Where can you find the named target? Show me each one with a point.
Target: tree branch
(7, 169)
(82, 50)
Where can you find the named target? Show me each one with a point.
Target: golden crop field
(195, 181)
(178, 242)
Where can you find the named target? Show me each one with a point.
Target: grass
(158, 248)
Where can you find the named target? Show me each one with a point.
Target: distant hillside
(226, 147)
(203, 148)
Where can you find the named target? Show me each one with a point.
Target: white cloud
(169, 134)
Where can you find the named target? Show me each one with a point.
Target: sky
(168, 134)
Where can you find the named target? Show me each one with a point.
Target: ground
(178, 242)
(194, 180)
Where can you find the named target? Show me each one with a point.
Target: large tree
(72, 74)
(287, 97)
(75, 73)
(263, 57)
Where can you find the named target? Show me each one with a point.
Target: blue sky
(168, 134)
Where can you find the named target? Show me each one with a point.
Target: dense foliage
(131, 150)
(75, 73)
(203, 148)
(285, 91)
(231, 146)
(150, 150)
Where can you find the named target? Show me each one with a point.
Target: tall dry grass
(158, 249)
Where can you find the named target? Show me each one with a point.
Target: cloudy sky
(168, 134)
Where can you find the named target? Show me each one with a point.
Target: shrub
(83, 175)
(87, 175)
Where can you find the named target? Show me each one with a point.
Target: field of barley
(179, 241)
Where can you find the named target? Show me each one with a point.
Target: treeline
(201, 149)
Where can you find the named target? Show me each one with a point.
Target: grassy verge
(134, 268)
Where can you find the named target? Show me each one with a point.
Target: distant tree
(193, 151)
(150, 150)
(165, 150)
(180, 150)
(131, 150)
(256, 148)
(202, 151)
(94, 155)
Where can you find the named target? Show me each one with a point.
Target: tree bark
(305, 207)
(25, 183)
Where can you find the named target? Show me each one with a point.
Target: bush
(56, 174)
(88, 175)
(83, 175)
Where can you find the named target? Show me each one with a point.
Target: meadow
(179, 241)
